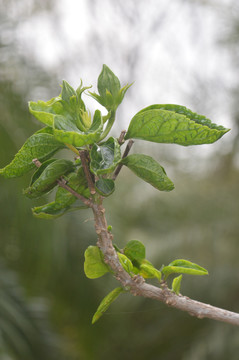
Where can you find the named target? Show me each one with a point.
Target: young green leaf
(40, 170)
(94, 265)
(173, 124)
(105, 187)
(48, 178)
(40, 145)
(108, 81)
(106, 302)
(148, 271)
(45, 130)
(176, 285)
(135, 250)
(105, 157)
(46, 111)
(125, 262)
(149, 170)
(182, 266)
(68, 108)
(111, 95)
(66, 131)
(67, 91)
(54, 210)
(64, 199)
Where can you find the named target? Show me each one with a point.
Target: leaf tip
(95, 318)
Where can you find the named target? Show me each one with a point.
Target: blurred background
(184, 52)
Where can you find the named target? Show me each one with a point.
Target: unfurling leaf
(173, 124)
(68, 117)
(149, 170)
(94, 265)
(148, 271)
(105, 187)
(176, 285)
(106, 302)
(125, 262)
(41, 145)
(135, 250)
(105, 157)
(66, 130)
(182, 266)
(45, 112)
(40, 170)
(47, 179)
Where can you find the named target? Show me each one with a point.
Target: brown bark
(138, 287)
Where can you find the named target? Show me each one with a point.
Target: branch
(127, 150)
(137, 286)
(62, 183)
(121, 138)
(84, 162)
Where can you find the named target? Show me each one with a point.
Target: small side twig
(62, 183)
(83, 158)
(126, 152)
(121, 138)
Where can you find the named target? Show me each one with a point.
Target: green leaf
(123, 92)
(40, 145)
(94, 265)
(173, 124)
(108, 81)
(45, 130)
(148, 271)
(46, 111)
(125, 262)
(66, 131)
(111, 95)
(176, 285)
(67, 91)
(64, 199)
(54, 210)
(105, 187)
(149, 170)
(106, 302)
(182, 266)
(68, 108)
(48, 178)
(105, 157)
(40, 170)
(135, 250)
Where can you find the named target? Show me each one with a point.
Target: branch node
(138, 279)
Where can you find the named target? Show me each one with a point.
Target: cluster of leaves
(69, 125)
(133, 260)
